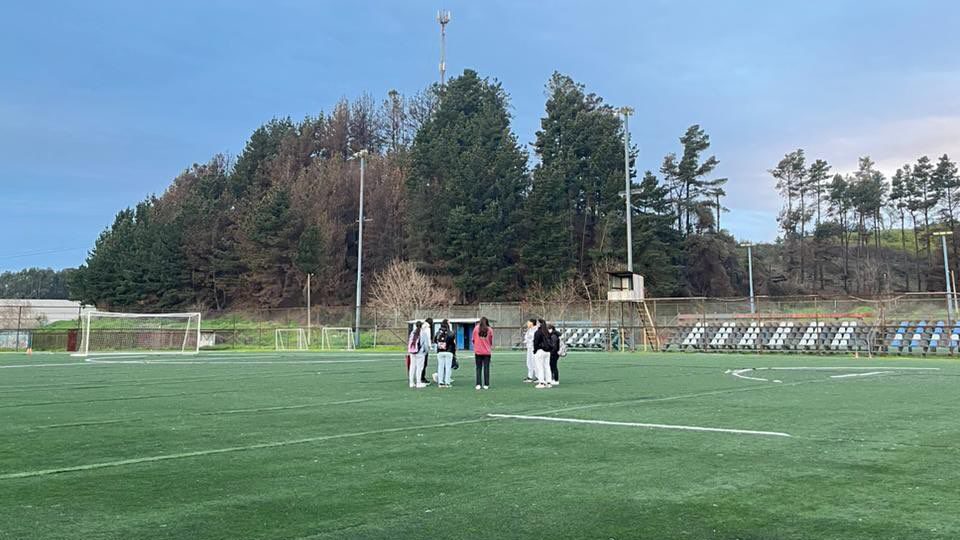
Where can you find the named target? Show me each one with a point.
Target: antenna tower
(443, 17)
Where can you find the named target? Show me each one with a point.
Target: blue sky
(104, 102)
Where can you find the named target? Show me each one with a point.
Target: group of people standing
(544, 349)
(422, 340)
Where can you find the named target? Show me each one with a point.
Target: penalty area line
(643, 425)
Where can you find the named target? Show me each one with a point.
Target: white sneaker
(554, 383)
(541, 385)
(478, 387)
(422, 385)
(412, 385)
(486, 387)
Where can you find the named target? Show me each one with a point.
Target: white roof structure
(30, 313)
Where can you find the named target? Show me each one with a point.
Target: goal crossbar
(283, 343)
(326, 343)
(146, 337)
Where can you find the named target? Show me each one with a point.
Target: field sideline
(334, 445)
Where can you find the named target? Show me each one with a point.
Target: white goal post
(106, 332)
(336, 338)
(291, 339)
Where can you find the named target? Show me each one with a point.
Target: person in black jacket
(554, 355)
(541, 355)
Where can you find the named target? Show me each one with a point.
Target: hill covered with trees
(451, 190)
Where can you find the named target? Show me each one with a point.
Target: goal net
(334, 339)
(140, 333)
(291, 339)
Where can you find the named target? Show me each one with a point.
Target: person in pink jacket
(482, 349)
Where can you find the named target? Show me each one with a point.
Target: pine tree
(575, 185)
(898, 202)
(817, 176)
(925, 197)
(468, 176)
(686, 177)
(946, 182)
(791, 174)
(656, 243)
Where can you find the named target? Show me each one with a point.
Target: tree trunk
(803, 222)
(903, 245)
(916, 249)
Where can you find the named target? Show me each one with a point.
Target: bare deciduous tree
(402, 289)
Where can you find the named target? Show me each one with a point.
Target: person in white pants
(417, 346)
(541, 353)
(528, 341)
(446, 351)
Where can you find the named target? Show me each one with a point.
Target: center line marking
(643, 425)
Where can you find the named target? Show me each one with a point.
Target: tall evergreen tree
(468, 177)
(946, 182)
(575, 184)
(817, 176)
(898, 203)
(791, 174)
(686, 177)
(925, 196)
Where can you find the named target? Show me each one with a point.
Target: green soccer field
(300, 446)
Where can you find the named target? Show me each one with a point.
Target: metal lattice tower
(443, 17)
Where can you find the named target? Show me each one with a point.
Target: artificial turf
(336, 446)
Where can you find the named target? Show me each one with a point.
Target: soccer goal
(291, 339)
(335, 338)
(140, 333)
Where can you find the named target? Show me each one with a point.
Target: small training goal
(291, 339)
(337, 339)
(106, 332)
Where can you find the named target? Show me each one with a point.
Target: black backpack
(442, 341)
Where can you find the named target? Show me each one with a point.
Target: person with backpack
(528, 341)
(446, 352)
(482, 349)
(417, 345)
(555, 346)
(541, 355)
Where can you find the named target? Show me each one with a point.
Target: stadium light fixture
(946, 273)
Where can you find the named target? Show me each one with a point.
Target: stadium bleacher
(837, 336)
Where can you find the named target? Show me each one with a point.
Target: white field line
(845, 375)
(739, 373)
(237, 362)
(837, 368)
(230, 449)
(643, 401)
(41, 365)
(208, 360)
(643, 425)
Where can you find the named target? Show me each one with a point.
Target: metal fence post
(19, 318)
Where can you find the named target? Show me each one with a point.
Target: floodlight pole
(946, 274)
(628, 199)
(356, 333)
(749, 246)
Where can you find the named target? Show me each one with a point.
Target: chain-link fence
(55, 325)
